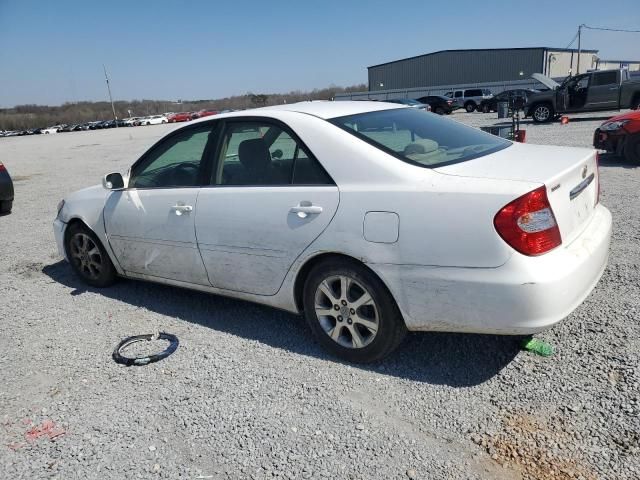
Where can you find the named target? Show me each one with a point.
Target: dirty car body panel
(421, 213)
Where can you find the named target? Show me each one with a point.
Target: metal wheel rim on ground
(542, 112)
(346, 311)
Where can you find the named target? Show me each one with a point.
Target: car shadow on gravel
(457, 360)
(611, 160)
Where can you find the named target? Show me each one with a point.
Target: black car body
(6, 190)
(491, 104)
(440, 104)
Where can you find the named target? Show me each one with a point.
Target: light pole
(115, 118)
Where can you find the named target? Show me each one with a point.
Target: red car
(180, 117)
(203, 113)
(621, 136)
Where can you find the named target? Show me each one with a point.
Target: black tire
(6, 206)
(390, 325)
(542, 112)
(439, 110)
(485, 109)
(632, 149)
(94, 269)
(470, 107)
(635, 103)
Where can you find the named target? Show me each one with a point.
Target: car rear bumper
(6, 187)
(58, 232)
(525, 295)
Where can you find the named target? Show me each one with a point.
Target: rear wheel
(351, 313)
(632, 149)
(439, 110)
(485, 109)
(88, 257)
(5, 207)
(469, 107)
(542, 112)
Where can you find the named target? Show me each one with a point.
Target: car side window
(173, 163)
(605, 78)
(458, 94)
(258, 154)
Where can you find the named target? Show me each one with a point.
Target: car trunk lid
(570, 175)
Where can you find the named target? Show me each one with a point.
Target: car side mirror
(277, 154)
(113, 181)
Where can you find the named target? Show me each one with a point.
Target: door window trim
(205, 159)
(267, 121)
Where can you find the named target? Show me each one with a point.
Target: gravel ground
(248, 394)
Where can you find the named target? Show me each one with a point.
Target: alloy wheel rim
(86, 255)
(346, 311)
(542, 113)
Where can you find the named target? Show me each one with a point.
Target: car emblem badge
(584, 172)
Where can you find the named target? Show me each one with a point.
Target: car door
(268, 200)
(603, 90)
(150, 224)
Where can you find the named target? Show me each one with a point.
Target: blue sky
(52, 51)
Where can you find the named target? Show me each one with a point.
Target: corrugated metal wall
(457, 67)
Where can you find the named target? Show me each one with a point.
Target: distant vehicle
(410, 103)
(587, 92)
(131, 122)
(469, 98)
(53, 129)
(440, 104)
(67, 128)
(203, 113)
(154, 120)
(6, 190)
(620, 135)
(179, 117)
(491, 104)
(429, 225)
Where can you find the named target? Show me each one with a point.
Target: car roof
(324, 109)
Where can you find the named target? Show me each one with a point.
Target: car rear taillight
(597, 178)
(2, 167)
(449, 102)
(528, 224)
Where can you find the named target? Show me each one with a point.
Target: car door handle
(303, 210)
(179, 209)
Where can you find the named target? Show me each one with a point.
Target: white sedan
(154, 120)
(371, 218)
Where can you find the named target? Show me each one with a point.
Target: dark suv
(491, 104)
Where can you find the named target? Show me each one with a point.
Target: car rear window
(419, 137)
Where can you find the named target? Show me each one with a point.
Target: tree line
(22, 117)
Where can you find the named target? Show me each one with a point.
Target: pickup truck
(587, 92)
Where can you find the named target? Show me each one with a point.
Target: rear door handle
(304, 209)
(181, 208)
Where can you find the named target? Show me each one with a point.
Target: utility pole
(115, 118)
(579, 48)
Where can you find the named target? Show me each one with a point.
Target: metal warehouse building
(453, 67)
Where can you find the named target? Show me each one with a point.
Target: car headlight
(610, 126)
(60, 207)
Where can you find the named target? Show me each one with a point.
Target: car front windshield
(419, 137)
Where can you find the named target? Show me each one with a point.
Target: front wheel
(543, 112)
(351, 313)
(88, 257)
(632, 149)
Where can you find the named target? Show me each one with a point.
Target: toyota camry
(372, 219)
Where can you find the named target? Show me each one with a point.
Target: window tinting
(173, 163)
(264, 154)
(420, 137)
(473, 93)
(605, 78)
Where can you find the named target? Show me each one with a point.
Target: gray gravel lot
(250, 395)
